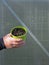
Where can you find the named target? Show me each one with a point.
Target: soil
(18, 32)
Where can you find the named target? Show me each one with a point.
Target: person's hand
(10, 42)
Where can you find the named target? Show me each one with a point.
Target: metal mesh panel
(34, 15)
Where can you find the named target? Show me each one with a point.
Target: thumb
(9, 35)
(14, 39)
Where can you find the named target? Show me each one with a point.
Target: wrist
(2, 46)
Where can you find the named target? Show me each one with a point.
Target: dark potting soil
(18, 32)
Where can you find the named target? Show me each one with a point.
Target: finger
(16, 39)
(9, 34)
(19, 43)
(16, 45)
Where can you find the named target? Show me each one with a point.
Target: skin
(10, 42)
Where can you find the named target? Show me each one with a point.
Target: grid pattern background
(35, 16)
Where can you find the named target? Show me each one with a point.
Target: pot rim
(19, 27)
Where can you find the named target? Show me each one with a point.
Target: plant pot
(19, 32)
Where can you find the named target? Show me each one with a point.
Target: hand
(10, 42)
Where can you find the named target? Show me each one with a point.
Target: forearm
(2, 46)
